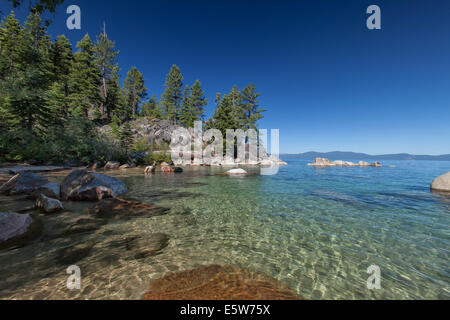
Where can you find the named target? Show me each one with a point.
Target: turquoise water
(315, 229)
(318, 230)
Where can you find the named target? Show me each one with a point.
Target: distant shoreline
(363, 156)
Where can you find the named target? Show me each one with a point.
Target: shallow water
(316, 230)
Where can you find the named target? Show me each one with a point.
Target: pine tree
(187, 112)
(126, 138)
(115, 99)
(237, 112)
(224, 116)
(84, 81)
(134, 90)
(106, 60)
(198, 100)
(61, 58)
(250, 106)
(172, 97)
(151, 108)
(11, 44)
(29, 76)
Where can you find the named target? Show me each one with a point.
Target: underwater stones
(73, 254)
(138, 246)
(218, 283)
(114, 208)
(236, 172)
(16, 229)
(48, 205)
(441, 183)
(23, 183)
(82, 185)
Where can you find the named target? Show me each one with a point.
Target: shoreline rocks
(441, 183)
(324, 162)
(82, 185)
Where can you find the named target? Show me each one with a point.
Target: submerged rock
(138, 246)
(73, 254)
(121, 209)
(441, 183)
(236, 172)
(48, 205)
(219, 283)
(82, 185)
(23, 183)
(16, 229)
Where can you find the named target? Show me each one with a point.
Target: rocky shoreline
(18, 230)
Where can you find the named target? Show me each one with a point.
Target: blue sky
(328, 82)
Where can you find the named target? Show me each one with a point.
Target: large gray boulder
(23, 183)
(15, 229)
(441, 183)
(82, 185)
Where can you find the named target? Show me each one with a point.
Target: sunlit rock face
(441, 183)
(218, 283)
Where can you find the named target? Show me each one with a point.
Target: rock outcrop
(441, 183)
(16, 229)
(82, 185)
(48, 205)
(218, 283)
(324, 162)
(111, 165)
(23, 183)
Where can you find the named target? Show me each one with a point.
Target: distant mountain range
(339, 155)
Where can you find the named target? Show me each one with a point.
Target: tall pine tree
(151, 108)
(84, 94)
(134, 90)
(106, 60)
(172, 97)
(252, 111)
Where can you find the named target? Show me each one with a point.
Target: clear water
(316, 230)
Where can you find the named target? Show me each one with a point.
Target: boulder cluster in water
(324, 162)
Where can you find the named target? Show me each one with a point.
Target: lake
(317, 230)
